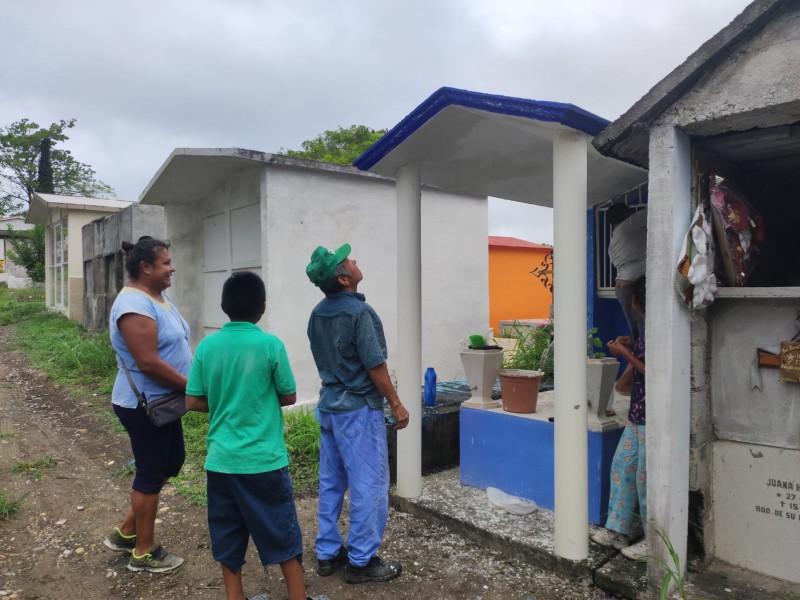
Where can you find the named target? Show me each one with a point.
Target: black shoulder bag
(162, 410)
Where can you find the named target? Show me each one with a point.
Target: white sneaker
(607, 537)
(636, 552)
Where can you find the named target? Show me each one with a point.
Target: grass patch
(191, 482)
(126, 471)
(21, 305)
(9, 507)
(35, 468)
(192, 488)
(302, 442)
(7, 434)
(56, 345)
(67, 354)
(85, 362)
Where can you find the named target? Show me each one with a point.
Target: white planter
(601, 373)
(481, 367)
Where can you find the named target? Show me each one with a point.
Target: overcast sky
(146, 76)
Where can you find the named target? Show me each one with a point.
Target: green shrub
(533, 350)
(27, 250)
(592, 342)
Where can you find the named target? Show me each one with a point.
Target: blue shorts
(158, 451)
(260, 505)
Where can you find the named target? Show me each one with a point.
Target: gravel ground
(53, 548)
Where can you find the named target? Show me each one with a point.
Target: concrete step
(465, 510)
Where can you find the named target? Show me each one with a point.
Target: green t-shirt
(241, 370)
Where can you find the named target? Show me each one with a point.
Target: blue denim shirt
(347, 340)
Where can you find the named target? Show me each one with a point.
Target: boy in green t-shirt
(241, 377)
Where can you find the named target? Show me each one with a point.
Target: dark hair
(144, 250)
(243, 293)
(640, 291)
(617, 213)
(332, 286)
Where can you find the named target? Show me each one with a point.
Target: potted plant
(532, 357)
(601, 373)
(481, 362)
(524, 368)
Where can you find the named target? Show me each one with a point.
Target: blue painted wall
(515, 454)
(604, 313)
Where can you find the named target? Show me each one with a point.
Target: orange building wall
(514, 293)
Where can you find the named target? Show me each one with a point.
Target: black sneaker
(328, 567)
(374, 570)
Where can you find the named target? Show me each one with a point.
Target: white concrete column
(668, 349)
(409, 329)
(569, 317)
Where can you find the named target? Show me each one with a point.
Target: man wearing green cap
(349, 348)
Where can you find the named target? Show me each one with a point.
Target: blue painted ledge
(515, 453)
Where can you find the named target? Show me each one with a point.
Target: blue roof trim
(557, 112)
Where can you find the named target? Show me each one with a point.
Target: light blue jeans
(354, 454)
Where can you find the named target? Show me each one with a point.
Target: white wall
(302, 208)
(185, 226)
(455, 278)
(757, 508)
(304, 211)
(740, 413)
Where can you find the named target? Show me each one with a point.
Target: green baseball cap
(323, 263)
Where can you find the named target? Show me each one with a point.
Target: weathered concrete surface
(740, 413)
(720, 580)
(465, 510)
(103, 268)
(622, 576)
(627, 137)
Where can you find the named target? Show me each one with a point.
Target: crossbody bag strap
(139, 396)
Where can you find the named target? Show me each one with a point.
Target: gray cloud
(143, 77)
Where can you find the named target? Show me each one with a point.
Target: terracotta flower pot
(520, 390)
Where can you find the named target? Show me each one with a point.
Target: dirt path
(53, 548)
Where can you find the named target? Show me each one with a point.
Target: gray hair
(332, 285)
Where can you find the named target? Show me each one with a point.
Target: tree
(27, 250)
(340, 146)
(44, 182)
(20, 149)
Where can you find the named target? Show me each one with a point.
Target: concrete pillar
(668, 350)
(569, 317)
(409, 329)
